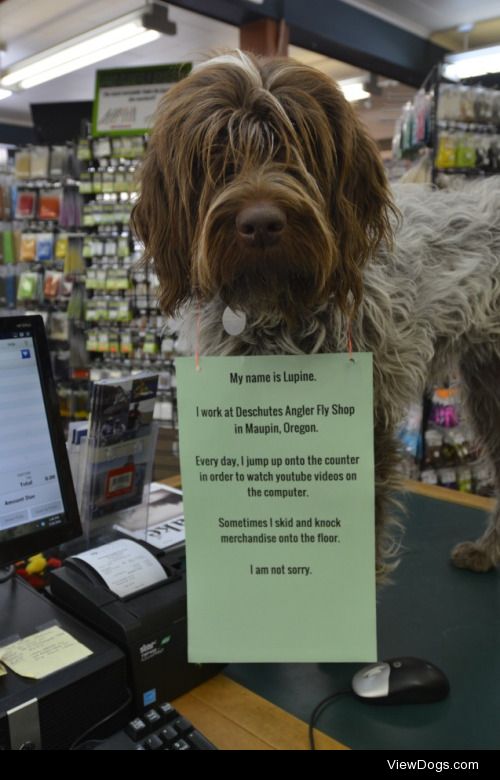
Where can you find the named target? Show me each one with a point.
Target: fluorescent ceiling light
(472, 63)
(88, 58)
(71, 56)
(108, 40)
(353, 89)
(5, 93)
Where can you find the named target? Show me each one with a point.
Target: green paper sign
(278, 479)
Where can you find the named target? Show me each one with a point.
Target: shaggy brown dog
(261, 190)
(221, 143)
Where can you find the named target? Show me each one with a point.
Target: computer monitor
(38, 508)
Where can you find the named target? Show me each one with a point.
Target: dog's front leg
(480, 371)
(387, 486)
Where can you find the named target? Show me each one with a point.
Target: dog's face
(260, 186)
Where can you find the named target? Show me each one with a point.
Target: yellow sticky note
(3, 670)
(43, 653)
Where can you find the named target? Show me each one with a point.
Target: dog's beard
(289, 278)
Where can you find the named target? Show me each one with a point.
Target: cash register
(38, 510)
(134, 637)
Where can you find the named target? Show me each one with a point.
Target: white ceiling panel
(426, 16)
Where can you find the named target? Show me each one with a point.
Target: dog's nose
(261, 224)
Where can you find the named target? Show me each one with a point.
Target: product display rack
(99, 304)
(466, 137)
(43, 267)
(439, 445)
(453, 128)
(125, 332)
(7, 249)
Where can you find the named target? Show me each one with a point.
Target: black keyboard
(160, 728)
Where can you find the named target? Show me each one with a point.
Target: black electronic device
(150, 626)
(55, 123)
(159, 728)
(405, 680)
(38, 507)
(55, 711)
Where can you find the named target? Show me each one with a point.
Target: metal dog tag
(234, 322)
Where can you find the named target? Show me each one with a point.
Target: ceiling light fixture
(353, 90)
(476, 62)
(5, 93)
(127, 32)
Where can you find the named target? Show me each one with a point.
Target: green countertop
(433, 611)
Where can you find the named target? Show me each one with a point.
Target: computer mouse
(401, 681)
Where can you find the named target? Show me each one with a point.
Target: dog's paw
(469, 555)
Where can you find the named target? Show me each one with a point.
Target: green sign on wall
(126, 99)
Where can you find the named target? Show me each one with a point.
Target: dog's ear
(159, 221)
(361, 204)
(345, 162)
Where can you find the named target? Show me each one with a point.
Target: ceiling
(27, 27)
(424, 17)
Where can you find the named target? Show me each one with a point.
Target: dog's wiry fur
(420, 286)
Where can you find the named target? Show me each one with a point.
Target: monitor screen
(37, 501)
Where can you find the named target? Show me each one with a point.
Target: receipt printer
(149, 625)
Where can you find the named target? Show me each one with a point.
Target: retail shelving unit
(124, 329)
(43, 267)
(68, 253)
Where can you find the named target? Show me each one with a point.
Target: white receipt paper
(125, 566)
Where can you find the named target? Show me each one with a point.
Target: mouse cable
(317, 711)
(7, 573)
(76, 744)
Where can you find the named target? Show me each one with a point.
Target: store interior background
(27, 27)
